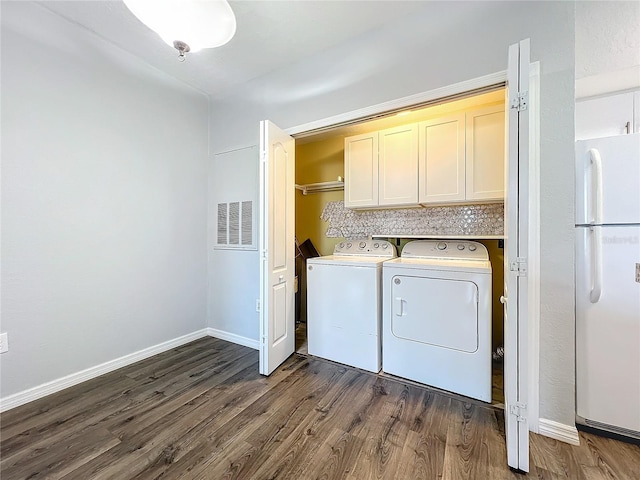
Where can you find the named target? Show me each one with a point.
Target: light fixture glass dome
(199, 24)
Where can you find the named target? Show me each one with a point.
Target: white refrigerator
(608, 284)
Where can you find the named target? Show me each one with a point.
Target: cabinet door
(361, 171)
(398, 166)
(604, 116)
(485, 154)
(442, 153)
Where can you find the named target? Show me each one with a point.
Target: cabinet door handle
(627, 127)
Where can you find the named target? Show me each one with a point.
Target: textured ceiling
(270, 35)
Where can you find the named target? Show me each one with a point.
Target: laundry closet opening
(432, 171)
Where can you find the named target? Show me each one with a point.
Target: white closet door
(277, 236)
(515, 299)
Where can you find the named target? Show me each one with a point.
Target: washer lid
(345, 260)
(441, 264)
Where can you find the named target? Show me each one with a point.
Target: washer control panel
(366, 247)
(452, 249)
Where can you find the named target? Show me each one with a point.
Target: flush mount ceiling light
(187, 25)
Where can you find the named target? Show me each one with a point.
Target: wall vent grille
(235, 225)
(247, 223)
(222, 224)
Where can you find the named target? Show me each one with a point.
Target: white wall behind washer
(412, 55)
(104, 194)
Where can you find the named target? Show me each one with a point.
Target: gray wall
(607, 37)
(443, 44)
(104, 189)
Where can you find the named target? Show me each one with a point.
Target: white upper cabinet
(607, 116)
(485, 145)
(442, 160)
(398, 166)
(361, 170)
(457, 158)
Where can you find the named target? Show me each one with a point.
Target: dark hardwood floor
(497, 368)
(202, 411)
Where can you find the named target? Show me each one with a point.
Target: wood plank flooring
(497, 368)
(202, 411)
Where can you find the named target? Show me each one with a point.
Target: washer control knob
(348, 245)
(461, 246)
(341, 245)
(362, 244)
(376, 245)
(385, 246)
(472, 248)
(441, 246)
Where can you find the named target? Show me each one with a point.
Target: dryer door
(435, 311)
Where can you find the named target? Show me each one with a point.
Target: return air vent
(222, 224)
(235, 225)
(247, 223)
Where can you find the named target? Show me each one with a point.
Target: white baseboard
(54, 386)
(232, 337)
(559, 431)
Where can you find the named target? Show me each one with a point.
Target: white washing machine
(344, 304)
(437, 316)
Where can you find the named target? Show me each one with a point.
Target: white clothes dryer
(437, 316)
(344, 304)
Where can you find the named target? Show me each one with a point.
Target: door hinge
(521, 101)
(519, 266)
(263, 156)
(519, 410)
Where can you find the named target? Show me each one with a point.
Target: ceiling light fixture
(187, 25)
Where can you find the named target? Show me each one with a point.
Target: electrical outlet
(257, 305)
(638, 272)
(4, 342)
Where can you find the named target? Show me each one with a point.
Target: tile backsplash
(450, 220)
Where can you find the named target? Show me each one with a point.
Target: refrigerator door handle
(596, 264)
(595, 216)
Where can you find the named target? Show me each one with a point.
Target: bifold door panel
(279, 313)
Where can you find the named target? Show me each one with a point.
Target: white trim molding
(233, 338)
(400, 103)
(54, 386)
(559, 431)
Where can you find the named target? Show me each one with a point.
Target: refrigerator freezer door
(608, 326)
(608, 180)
